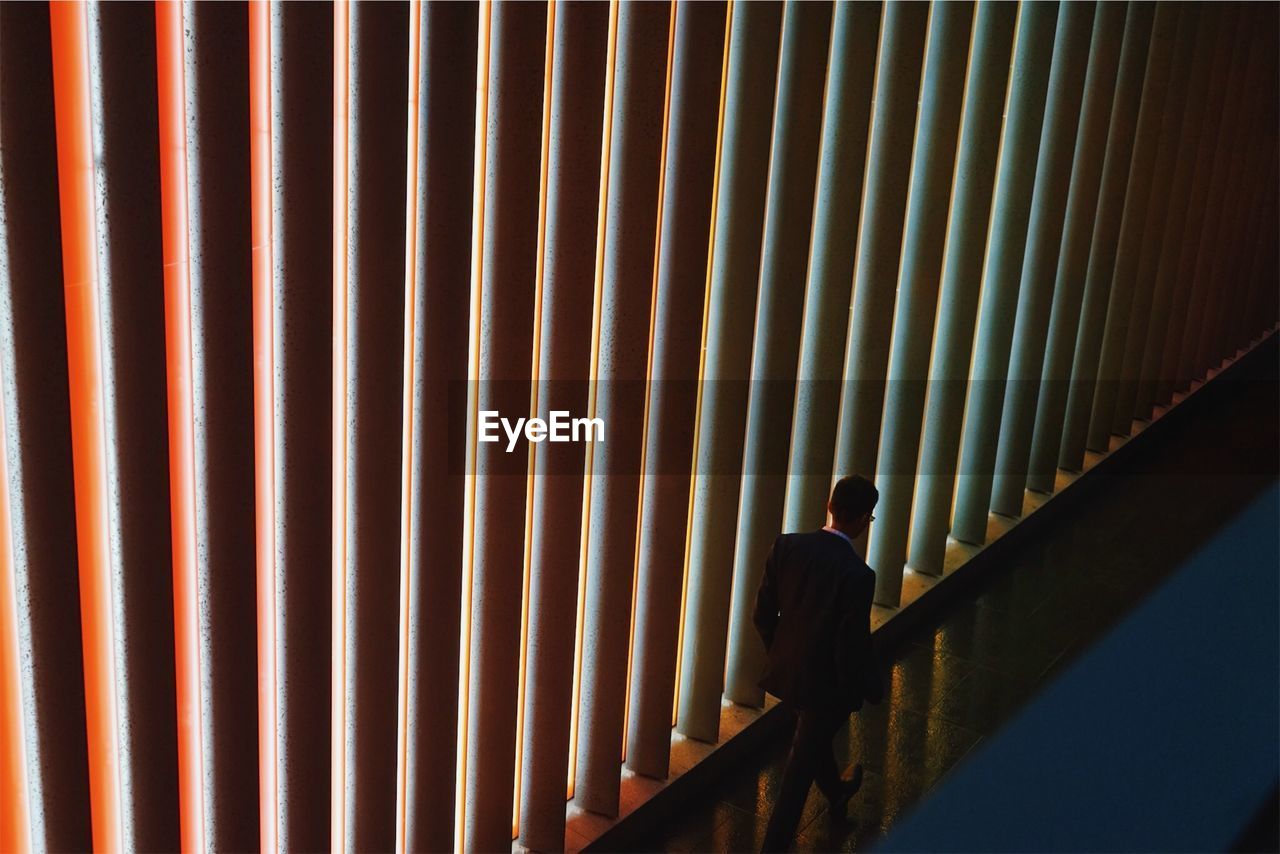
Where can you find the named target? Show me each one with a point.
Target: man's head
(852, 500)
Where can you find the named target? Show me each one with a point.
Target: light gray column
(1188, 240)
(504, 291)
(793, 164)
(1042, 364)
(941, 99)
(1130, 290)
(1053, 173)
(368, 359)
(1170, 297)
(686, 223)
(837, 208)
(1104, 290)
(630, 229)
(1150, 310)
(579, 68)
(734, 275)
(1052, 44)
(966, 244)
(439, 303)
(735, 272)
(1190, 364)
(880, 249)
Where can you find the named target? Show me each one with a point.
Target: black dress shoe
(839, 803)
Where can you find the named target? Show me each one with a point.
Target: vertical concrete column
(1191, 363)
(1019, 281)
(974, 188)
(1130, 291)
(1188, 241)
(579, 56)
(1224, 285)
(880, 249)
(941, 99)
(751, 78)
(504, 277)
(1107, 296)
(291, 63)
(793, 164)
(1170, 299)
(437, 307)
(48, 798)
(629, 224)
(837, 209)
(370, 135)
(693, 136)
(1150, 309)
(1042, 362)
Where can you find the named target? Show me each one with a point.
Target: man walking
(813, 611)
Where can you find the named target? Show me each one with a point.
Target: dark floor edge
(678, 793)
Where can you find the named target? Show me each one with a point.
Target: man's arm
(855, 653)
(766, 613)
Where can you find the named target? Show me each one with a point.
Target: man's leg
(811, 741)
(825, 771)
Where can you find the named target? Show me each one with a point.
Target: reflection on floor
(956, 684)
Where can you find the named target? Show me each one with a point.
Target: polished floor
(955, 683)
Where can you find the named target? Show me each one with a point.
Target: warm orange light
(602, 219)
(264, 346)
(68, 28)
(179, 381)
(406, 430)
(338, 615)
(539, 278)
(473, 402)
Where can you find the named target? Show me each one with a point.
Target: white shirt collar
(841, 534)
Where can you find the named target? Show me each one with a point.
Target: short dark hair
(852, 497)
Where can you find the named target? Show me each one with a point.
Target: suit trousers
(811, 760)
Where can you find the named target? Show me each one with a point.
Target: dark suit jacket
(814, 613)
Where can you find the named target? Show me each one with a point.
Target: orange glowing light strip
(15, 818)
(170, 53)
(264, 345)
(539, 278)
(702, 355)
(406, 431)
(68, 27)
(338, 525)
(602, 221)
(648, 372)
(473, 402)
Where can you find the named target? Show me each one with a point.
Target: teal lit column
(1151, 299)
(1053, 173)
(1049, 37)
(735, 272)
(1130, 291)
(1042, 364)
(941, 99)
(1062, 441)
(880, 249)
(966, 245)
(837, 206)
(1188, 240)
(793, 165)
(1170, 299)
